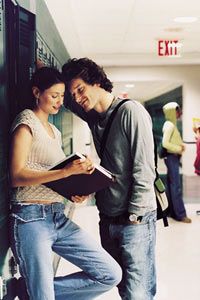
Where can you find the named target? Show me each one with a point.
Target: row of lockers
(25, 39)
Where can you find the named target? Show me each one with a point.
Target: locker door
(4, 121)
(17, 57)
(4, 134)
(21, 54)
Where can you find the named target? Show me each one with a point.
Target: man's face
(85, 94)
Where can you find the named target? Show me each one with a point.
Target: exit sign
(169, 48)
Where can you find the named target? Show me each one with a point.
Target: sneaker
(21, 289)
(186, 220)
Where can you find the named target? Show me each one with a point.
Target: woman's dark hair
(88, 71)
(43, 79)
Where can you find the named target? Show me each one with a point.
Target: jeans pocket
(28, 213)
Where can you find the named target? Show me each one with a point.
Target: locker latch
(3, 289)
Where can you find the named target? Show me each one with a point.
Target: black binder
(81, 184)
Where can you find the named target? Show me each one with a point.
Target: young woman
(197, 159)
(38, 224)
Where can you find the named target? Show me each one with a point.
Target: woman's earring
(36, 101)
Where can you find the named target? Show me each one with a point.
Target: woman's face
(51, 99)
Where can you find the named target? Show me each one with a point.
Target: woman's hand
(79, 199)
(80, 166)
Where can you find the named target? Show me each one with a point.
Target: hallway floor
(177, 251)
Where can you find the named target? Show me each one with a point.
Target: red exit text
(168, 48)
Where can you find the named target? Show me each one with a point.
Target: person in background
(197, 159)
(173, 143)
(128, 208)
(38, 224)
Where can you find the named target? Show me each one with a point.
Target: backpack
(162, 152)
(160, 191)
(159, 187)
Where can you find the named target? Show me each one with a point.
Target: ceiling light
(186, 19)
(129, 85)
(174, 29)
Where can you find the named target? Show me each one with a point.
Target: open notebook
(82, 184)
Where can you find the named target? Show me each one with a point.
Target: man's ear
(36, 92)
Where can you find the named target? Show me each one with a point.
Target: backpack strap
(156, 158)
(108, 126)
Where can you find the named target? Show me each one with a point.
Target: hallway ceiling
(126, 33)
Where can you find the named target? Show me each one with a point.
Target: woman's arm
(20, 175)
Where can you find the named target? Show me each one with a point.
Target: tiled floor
(178, 255)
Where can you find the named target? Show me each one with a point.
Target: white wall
(190, 78)
(81, 136)
(82, 139)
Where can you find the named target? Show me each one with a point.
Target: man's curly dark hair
(88, 71)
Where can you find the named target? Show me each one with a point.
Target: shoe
(186, 220)
(21, 289)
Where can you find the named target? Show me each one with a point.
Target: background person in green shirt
(173, 143)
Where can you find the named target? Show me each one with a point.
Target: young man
(128, 208)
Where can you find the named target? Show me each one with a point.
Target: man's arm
(139, 129)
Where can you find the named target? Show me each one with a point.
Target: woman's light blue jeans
(133, 247)
(36, 230)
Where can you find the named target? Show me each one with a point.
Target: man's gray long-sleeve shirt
(129, 154)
